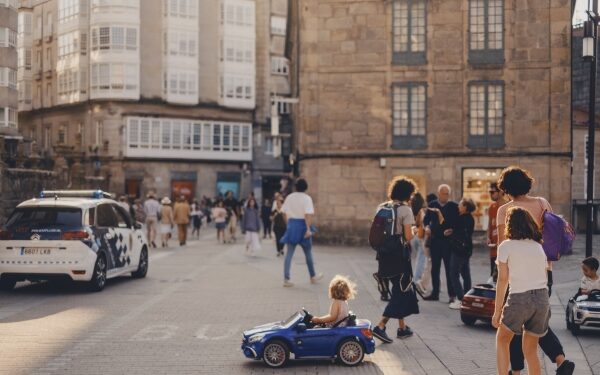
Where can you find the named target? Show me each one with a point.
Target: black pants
(459, 267)
(440, 252)
(266, 227)
(278, 234)
(549, 343)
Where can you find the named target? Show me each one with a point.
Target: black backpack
(382, 236)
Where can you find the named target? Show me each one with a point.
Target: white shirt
(526, 265)
(297, 205)
(152, 208)
(588, 284)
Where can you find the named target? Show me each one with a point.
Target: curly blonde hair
(342, 288)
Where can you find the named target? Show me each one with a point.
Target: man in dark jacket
(440, 245)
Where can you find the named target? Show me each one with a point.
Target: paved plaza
(187, 317)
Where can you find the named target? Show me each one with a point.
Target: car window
(92, 216)
(44, 217)
(105, 216)
(123, 219)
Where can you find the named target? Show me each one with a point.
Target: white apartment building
(141, 94)
(8, 70)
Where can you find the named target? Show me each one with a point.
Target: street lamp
(590, 30)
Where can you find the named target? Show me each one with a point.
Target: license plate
(477, 304)
(36, 251)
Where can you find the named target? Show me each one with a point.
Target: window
(68, 44)
(49, 24)
(278, 25)
(8, 78)
(280, 65)
(8, 117)
(24, 91)
(409, 115)
(268, 145)
(68, 82)
(238, 87)
(25, 23)
(62, 134)
(24, 58)
(238, 50)
(117, 77)
(181, 83)
(117, 38)
(106, 216)
(486, 31)
(123, 218)
(9, 3)
(49, 94)
(47, 137)
(180, 43)
(283, 108)
(181, 8)
(8, 37)
(67, 10)
(166, 134)
(409, 32)
(98, 132)
(486, 114)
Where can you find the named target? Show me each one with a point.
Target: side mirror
(301, 327)
(137, 225)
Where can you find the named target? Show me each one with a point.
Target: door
(132, 188)
(106, 222)
(315, 342)
(124, 238)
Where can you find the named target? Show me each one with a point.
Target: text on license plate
(36, 251)
(477, 304)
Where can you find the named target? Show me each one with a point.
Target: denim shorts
(529, 311)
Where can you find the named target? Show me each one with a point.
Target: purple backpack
(557, 235)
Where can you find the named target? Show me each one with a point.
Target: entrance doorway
(475, 185)
(133, 188)
(183, 187)
(270, 185)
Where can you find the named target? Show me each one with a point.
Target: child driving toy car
(341, 289)
(590, 280)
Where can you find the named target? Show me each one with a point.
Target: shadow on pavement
(366, 367)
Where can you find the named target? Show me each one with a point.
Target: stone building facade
(133, 95)
(445, 91)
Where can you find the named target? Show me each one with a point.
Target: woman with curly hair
(395, 265)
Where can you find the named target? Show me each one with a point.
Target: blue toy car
(274, 342)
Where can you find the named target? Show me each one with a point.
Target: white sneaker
(455, 305)
(288, 284)
(315, 279)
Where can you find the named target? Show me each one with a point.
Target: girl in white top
(341, 289)
(521, 263)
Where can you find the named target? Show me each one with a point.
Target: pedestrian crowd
(430, 231)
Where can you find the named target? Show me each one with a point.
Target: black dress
(396, 267)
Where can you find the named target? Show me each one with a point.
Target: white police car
(75, 235)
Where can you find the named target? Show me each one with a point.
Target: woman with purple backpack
(516, 183)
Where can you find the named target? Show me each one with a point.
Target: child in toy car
(341, 289)
(583, 309)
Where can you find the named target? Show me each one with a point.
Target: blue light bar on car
(94, 194)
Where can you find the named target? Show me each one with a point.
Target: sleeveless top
(343, 313)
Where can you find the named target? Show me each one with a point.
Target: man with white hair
(440, 245)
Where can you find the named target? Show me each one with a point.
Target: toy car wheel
(7, 284)
(98, 281)
(276, 354)
(573, 326)
(142, 269)
(350, 352)
(468, 320)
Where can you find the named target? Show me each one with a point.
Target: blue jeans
(307, 248)
(417, 245)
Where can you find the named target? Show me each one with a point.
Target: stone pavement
(187, 316)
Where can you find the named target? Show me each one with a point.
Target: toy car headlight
(255, 338)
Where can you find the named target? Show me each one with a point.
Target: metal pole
(591, 143)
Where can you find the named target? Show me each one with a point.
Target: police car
(74, 235)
